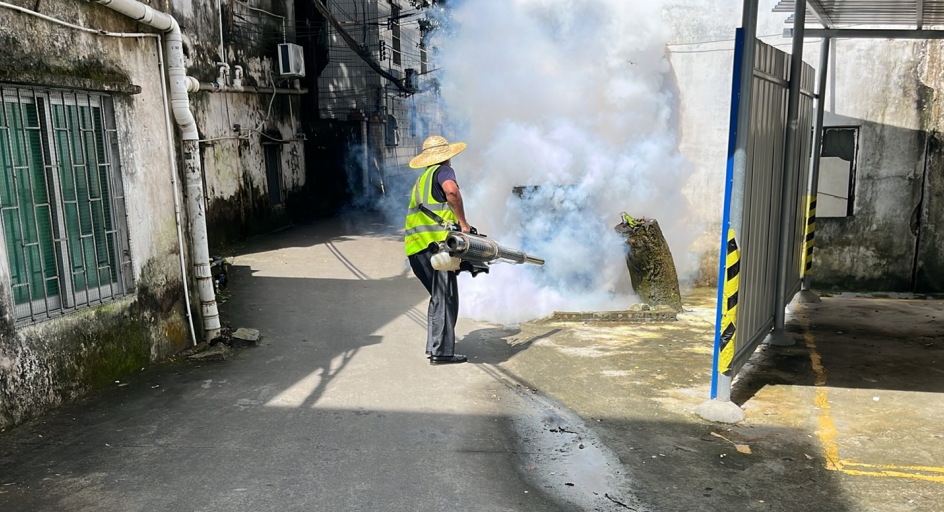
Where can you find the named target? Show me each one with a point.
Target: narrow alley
(337, 409)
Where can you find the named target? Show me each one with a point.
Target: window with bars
(395, 30)
(62, 205)
(424, 60)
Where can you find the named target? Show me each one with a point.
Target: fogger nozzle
(481, 249)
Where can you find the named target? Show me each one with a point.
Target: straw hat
(436, 149)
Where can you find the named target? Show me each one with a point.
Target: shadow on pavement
(677, 464)
(321, 231)
(880, 344)
(495, 345)
(139, 449)
(185, 447)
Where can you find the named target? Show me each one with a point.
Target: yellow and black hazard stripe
(807, 264)
(729, 305)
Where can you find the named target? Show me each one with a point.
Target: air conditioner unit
(291, 60)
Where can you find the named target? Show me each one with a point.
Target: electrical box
(392, 131)
(291, 60)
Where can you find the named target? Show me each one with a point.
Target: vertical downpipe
(196, 208)
(180, 84)
(365, 155)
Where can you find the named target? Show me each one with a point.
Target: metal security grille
(62, 205)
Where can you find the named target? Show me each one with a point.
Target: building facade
(97, 239)
(879, 212)
(377, 78)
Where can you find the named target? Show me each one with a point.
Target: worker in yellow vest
(437, 191)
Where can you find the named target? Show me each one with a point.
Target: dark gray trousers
(443, 304)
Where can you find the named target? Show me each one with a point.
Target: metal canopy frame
(848, 13)
(839, 19)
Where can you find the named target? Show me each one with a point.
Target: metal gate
(754, 252)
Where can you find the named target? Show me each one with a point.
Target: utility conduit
(170, 136)
(179, 84)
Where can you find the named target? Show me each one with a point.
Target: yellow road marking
(894, 474)
(827, 433)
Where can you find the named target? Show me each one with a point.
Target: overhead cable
(361, 52)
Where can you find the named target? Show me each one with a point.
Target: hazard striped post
(728, 306)
(806, 269)
(719, 406)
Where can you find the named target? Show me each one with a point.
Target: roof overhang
(885, 19)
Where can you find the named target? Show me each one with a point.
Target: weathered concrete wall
(235, 162)
(874, 248)
(237, 126)
(44, 364)
(701, 51)
(929, 270)
(894, 109)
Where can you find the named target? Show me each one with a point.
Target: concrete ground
(845, 420)
(338, 410)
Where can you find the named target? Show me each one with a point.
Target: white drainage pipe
(180, 102)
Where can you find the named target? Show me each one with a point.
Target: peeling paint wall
(238, 128)
(886, 89)
(43, 363)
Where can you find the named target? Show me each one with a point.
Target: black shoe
(447, 359)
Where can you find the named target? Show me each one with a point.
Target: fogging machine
(471, 252)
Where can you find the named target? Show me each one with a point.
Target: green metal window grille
(61, 201)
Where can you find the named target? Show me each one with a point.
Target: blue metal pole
(739, 139)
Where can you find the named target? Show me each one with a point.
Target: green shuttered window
(61, 201)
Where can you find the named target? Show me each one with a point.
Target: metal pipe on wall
(365, 156)
(180, 102)
(788, 192)
(249, 89)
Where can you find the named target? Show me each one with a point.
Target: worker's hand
(465, 227)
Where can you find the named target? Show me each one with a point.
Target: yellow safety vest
(421, 230)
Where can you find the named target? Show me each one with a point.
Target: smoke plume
(568, 108)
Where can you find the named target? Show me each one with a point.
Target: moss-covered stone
(650, 263)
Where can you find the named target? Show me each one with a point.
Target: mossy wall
(48, 362)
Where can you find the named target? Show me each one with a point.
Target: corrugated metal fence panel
(759, 238)
(798, 207)
(762, 189)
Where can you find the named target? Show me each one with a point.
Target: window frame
(853, 170)
(395, 36)
(113, 209)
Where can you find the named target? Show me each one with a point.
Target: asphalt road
(336, 409)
